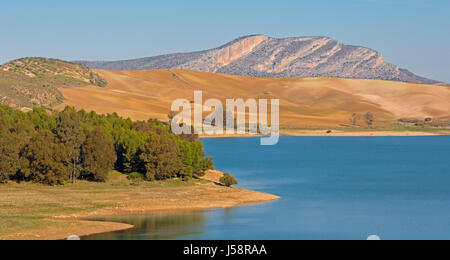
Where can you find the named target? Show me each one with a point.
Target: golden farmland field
(304, 102)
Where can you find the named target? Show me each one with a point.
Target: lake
(331, 188)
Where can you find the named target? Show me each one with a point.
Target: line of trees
(72, 145)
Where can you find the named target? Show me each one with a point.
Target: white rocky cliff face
(262, 56)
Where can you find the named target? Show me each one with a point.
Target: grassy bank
(32, 211)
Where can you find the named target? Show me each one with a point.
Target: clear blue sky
(413, 34)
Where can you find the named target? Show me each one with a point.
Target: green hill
(30, 82)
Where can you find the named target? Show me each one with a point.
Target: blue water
(331, 188)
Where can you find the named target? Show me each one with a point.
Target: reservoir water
(331, 188)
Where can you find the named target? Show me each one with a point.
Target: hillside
(306, 102)
(262, 56)
(30, 82)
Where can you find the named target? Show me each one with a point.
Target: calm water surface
(331, 188)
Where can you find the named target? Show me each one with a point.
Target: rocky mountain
(30, 82)
(262, 56)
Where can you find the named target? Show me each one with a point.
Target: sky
(413, 34)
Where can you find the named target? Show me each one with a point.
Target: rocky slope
(31, 82)
(262, 56)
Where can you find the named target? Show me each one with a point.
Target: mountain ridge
(262, 56)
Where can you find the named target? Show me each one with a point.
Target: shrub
(228, 180)
(187, 172)
(135, 176)
(369, 117)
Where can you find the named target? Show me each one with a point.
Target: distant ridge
(262, 56)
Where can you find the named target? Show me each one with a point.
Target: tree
(70, 132)
(127, 143)
(158, 158)
(192, 137)
(369, 117)
(192, 156)
(354, 119)
(48, 160)
(9, 155)
(207, 164)
(41, 120)
(187, 172)
(97, 155)
(12, 140)
(55, 148)
(150, 126)
(228, 180)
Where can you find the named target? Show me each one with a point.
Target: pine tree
(70, 132)
(9, 155)
(12, 139)
(97, 155)
(127, 145)
(54, 149)
(158, 158)
(48, 160)
(192, 155)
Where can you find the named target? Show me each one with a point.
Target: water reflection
(331, 188)
(157, 226)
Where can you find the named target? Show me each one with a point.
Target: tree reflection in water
(156, 226)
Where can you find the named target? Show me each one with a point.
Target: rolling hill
(305, 102)
(30, 82)
(144, 94)
(263, 56)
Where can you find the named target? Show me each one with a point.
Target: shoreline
(117, 226)
(108, 226)
(203, 194)
(337, 133)
(368, 133)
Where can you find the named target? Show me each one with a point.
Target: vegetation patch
(228, 180)
(72, 145)
(34, 82)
